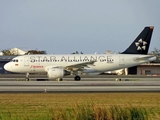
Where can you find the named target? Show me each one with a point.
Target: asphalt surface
(78, 86)
(15, 83)
(35, 77)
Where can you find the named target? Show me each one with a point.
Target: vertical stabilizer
(141, 44)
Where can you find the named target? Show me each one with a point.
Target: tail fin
(141, 44)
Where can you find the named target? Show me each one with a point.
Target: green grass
(83, 112)
(87, 112)
(80, 106)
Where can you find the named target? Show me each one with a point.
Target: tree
(35, 52)
(7, 52)
(77, 52)
(155, 52)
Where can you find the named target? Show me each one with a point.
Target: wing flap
(79, 66)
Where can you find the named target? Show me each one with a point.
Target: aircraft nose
(7, 67)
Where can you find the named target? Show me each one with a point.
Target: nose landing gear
(27, 77)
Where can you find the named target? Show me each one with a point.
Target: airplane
(58, 66)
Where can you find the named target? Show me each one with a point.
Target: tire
(27, 79)
(77, 78)
(59, 79)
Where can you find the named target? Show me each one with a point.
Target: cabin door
(26, 61)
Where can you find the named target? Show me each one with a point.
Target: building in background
(152, 68)
(149, 69)
(1, 53)
(17, 51)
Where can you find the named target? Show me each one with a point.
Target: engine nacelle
(54, 73)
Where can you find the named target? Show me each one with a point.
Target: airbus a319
(57, 66)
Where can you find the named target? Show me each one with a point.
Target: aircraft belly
(104, 67)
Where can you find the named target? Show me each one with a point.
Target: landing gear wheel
(77, 78)
(27, 79)
(59, 79)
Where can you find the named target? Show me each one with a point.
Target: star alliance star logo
(141, 45)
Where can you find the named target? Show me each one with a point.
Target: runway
(21, 77)
(78, 86)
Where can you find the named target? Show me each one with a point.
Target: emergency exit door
(121, 61)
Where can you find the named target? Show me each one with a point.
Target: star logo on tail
(141, 45)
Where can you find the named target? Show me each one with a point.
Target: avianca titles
(57, 66)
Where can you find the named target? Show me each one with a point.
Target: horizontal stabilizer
(144, 59)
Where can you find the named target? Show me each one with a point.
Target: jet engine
(54, 73)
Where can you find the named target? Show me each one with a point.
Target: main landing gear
(77, 78)
(59, 79)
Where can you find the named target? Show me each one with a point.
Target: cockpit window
(14, 60)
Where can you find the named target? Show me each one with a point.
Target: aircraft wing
(79, 66)
(73, 67)
(141, 59)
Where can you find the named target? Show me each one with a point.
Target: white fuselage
(101, 62)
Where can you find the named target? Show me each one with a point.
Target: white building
(1, 54)
(17, 51)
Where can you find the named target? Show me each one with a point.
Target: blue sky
(66, 26)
